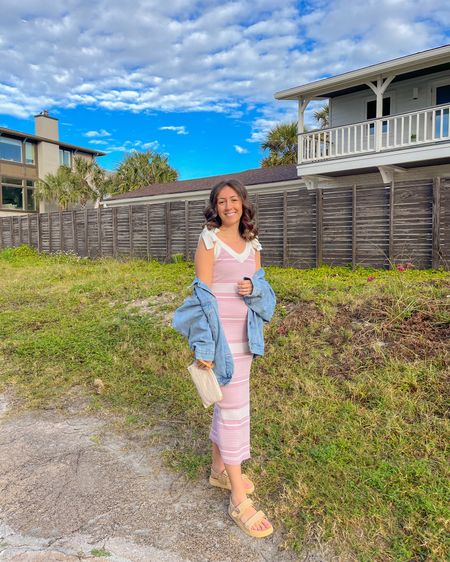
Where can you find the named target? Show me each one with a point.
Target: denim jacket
(198, 320)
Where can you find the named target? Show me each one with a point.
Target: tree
(86, 181)
(60, 187)
(140, 169)
(281, 142)
(91, 180)
(322, 116)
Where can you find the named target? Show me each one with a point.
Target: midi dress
(230, 429)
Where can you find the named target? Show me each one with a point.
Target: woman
(230, 285)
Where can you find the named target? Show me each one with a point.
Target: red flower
(370, 278)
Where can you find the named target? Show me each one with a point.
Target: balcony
(392, 140)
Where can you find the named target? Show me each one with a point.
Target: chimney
(46, 126)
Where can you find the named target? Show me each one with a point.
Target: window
(30, 153)
(12, 193)
(371, 112)
(443, 94)
(372, 108)
(31, 201)
(10, 149)
(12, 181)
(65, 157)
(442, 115)
(16, 193)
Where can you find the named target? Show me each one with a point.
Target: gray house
(390, 118)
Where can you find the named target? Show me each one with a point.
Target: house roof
(349, 81)
(20, 135)
(255, 176)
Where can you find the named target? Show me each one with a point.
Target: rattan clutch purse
(206, 383)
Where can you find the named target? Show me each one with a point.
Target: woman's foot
(220, 479)
(252, 522)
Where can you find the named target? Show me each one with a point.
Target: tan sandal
(235, 512)
(222, 480)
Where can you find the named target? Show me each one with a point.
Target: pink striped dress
(230, 428)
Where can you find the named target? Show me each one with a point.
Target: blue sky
(189, 78)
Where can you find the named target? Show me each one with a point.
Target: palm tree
(140, 169)
(91, 180)
(84, 182)
(281, 142)
(322, 116)
(60, 187)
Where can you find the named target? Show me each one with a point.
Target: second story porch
(418, 134)
(391, 114)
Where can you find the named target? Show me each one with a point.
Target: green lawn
(349, 424)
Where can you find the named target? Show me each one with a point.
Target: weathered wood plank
(39, 236)
(391, 223)
(74, 233)
(436, 215)
(114, 218)
(319, 227)
(99, 230)
(285, 237)
(86, 233)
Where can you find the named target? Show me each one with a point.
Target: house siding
(351, 108)
(368, 179)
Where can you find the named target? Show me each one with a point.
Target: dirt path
(70, 488)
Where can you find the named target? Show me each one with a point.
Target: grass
(349, 418)
(100, 552)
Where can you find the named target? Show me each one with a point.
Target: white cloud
(101, 133)
(240, 149)
(179, 130)
(127, 146)
(271, 115)
(192, 55)
(153, 145)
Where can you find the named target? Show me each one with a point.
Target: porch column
(379, 90)
(302, 105)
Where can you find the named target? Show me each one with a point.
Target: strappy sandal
(222, 480)
(235, 512)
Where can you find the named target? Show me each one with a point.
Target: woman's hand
(202, 364)
(245, 287)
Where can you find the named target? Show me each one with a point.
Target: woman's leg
(219, 466)
(217, 462)
(238, 495)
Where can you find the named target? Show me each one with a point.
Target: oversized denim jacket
(198, 320)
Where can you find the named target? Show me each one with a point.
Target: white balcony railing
(386, 133)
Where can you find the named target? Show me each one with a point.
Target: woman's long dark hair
(247, 228)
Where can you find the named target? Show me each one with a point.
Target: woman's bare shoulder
(256, 244)
(209, 238)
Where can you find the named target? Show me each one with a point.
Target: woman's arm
(204, 263)
(257, 260)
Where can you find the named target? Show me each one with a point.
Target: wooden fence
(377, 226)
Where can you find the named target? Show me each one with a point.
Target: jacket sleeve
(262, 299)
(190, 321)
